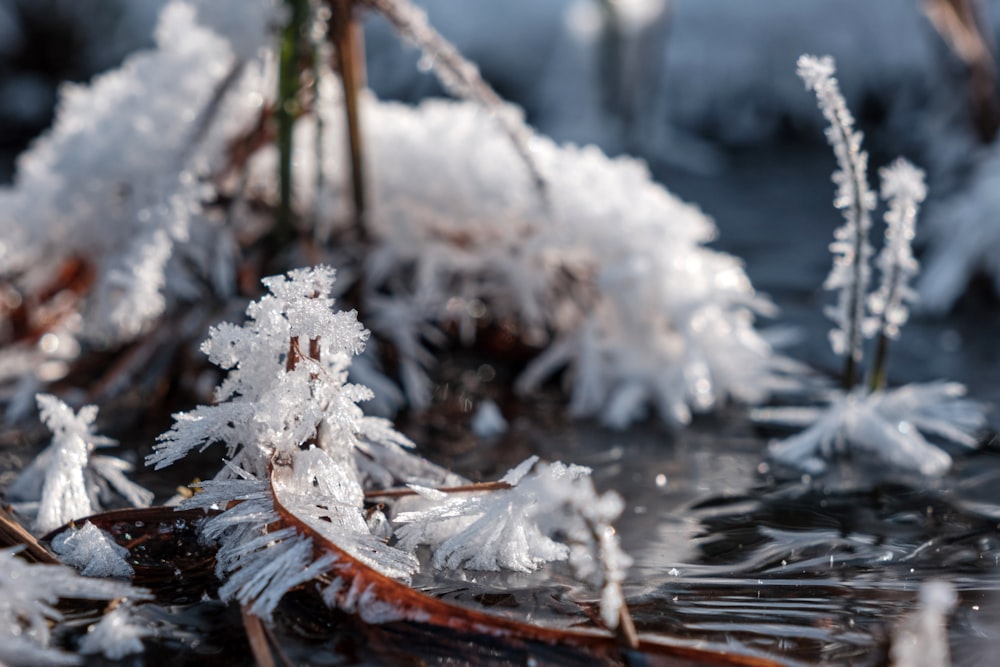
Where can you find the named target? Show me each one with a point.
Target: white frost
(551, 513)
(116, 635)
(65, 480)
(609, 270)
(28, 598)
(903, 187)
(888, 425)
(92, 552)
(851, 247)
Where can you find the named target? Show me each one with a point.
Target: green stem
(879, 375)
(861, 224)
(292, 49)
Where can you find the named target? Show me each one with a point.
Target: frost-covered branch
(851, 247)
(461, 78)
(903, 187)
(285, 410)
(615, 279)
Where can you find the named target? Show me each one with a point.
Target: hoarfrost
(550, 513)
(92, 551)
(292, 428)
(65, 481)
(116, 635)
(28, 598)
(851, 247)
(123, 193)
(903, 187)
(272, 405)
(613, 274)
(891, 425)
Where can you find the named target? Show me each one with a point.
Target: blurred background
(705, 91)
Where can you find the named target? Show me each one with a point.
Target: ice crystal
(550, 513)
(851, 247)
(292, 428)
(891, 425)
(258, 566)
(121, 177)
(28, 597)
(612, 274)
(921, 640)
(66, 480)
(903, 187)
(259, 563)
(116, 635)
(92, 551)
(301, 349)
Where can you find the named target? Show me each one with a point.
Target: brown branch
(962, 27)
(464, 488)
(348, 42)
(417, 607)
(13, 534)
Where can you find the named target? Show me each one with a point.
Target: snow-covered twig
(851, 247)
(462, 78)
(903, 187)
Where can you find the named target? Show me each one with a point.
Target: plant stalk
(348, 42)
(291, 51)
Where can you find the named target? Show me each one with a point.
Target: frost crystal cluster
(119, 182)
(66, 481)
(903, 187)
(551, 512)
(291, 425)
(891, 424)
(608, 270)
(300, 449)
(28, 598)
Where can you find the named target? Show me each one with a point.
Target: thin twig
(461, 78)
(12, 533)
(464, 488)
(259, 646)
(348, 42)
